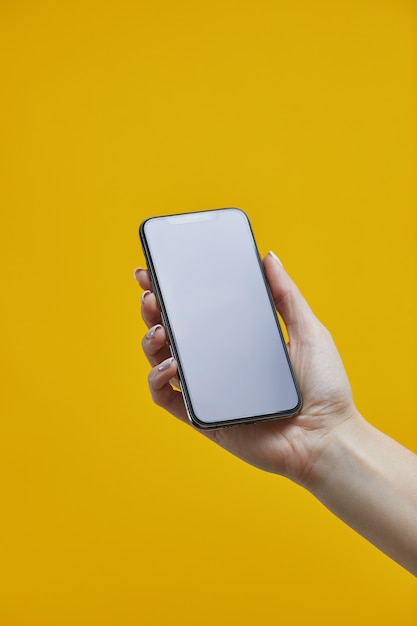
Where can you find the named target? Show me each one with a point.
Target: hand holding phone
(282, 446)
(360, 474)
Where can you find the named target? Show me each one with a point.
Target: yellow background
(302, 114)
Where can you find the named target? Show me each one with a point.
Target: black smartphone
(220, 318)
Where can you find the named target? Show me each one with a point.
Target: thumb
(290, 304)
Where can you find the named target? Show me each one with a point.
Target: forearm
(370, 482)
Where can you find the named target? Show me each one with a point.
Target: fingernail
(166, 364)
(136, 272)
(143, 296)
(152, 331)
(274, 256)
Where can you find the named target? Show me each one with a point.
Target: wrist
(335, 453)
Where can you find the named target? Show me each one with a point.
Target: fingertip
(136, 272)
(161, 374)
(274, 256)
(273, 268)
(289, 302)
(150, 310)
(141, 275)
(167, 364)
(145, 295)
(162, 391)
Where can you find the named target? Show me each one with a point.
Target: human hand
(290, 447)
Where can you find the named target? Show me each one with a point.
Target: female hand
(290, 447)
(363, 476)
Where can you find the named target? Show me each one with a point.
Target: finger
(154, 345)
(290, 304)
(156, 348)
(150, 309)
(142, 277)
(162, 393)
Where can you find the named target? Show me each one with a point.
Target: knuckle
(151, 380)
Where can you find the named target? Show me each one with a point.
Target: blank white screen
(223, 325)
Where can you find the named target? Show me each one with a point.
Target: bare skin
(363, 476)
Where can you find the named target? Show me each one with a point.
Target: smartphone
(220, 318)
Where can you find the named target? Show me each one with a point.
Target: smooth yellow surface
(304, 115)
